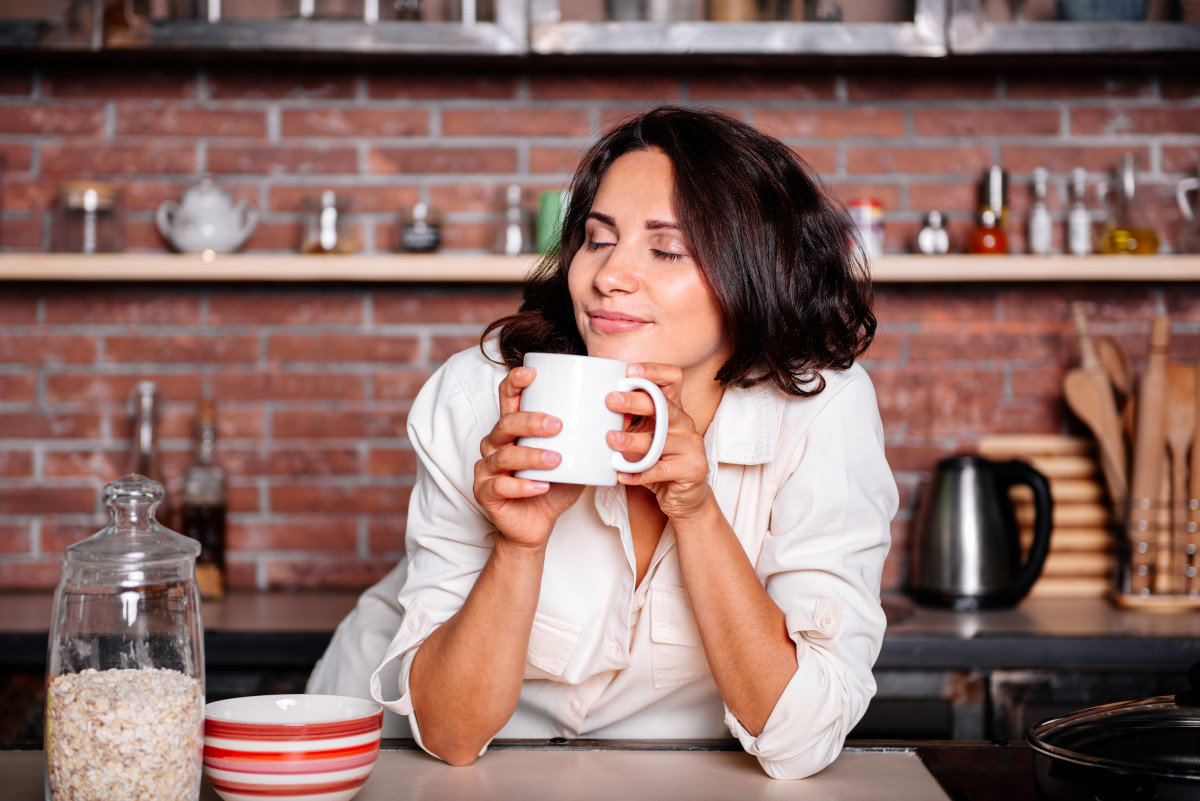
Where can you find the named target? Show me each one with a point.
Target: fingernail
(541, 486)
(551, 458)
(551, 424)
(634, 369)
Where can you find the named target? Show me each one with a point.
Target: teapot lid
(133, 537)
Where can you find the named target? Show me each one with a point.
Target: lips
(613, 322)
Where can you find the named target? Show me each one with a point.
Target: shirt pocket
(551, 645)
(676, 653)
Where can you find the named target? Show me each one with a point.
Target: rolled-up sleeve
(448, 537)
(822, 562)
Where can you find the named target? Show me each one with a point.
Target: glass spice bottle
(144, 460)
(125, 665)
(205, 502)
(987, 237)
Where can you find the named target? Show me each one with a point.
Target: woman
(733, 586)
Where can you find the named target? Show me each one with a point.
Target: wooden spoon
(1116, 363)
(1089, 394)
(1181, 428)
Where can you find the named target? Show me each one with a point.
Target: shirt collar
(745, 429)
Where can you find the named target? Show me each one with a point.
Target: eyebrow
(651, 225)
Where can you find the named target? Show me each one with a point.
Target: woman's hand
(679, 480)
(523, 510)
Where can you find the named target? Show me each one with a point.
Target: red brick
(30, 425)
(443, 347)
(466, 305)
(285, 306)
(346, 422)
(243, 499)
(972, 341)
(47, 500)
(15, 157)
(612, 85)
(114, 83)
(177, 348)
(431, 83)
(341, 348)
(830, 123)
(477, 197)
(1102, 304)
(391, 462)
(914, 457)
(398, 385)
(18, 388)
(902, 304)
(986, 122)
(239, 83)
(18, 306)
(1180, 159)
(434, 160)
(295, 535)
(131, 305)
(16, 81)
(354, 122)
(354, 199)
(958, 196)
(282, 385)
(74, 158)
(1134, 120)
(173, 120)
(285, 159)
(554, 160)
(326, 573)
(143, 236)
(732, 83)
(455, 236)
(941, 403)
(1177, 85)
(886, 347)
(276, 237)
(915, 84)
(1044, 84)
(22, 235)
(29, 575)
(28, 195)
(241, 575)
(1038, 382)
(100, 465)
(327, 498)
(1062, 159)
(515, 121)
(52, 119)
(16, 464)
(889, 196)
(47, 349)
(951, 159)
(144, 195)
(385, 536)
(15, 539)
(312, 461)
(58, 536)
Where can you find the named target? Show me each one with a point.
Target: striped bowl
(283, 747)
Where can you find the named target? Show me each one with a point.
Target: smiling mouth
(609, 322)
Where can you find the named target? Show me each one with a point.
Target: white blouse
(805, 486)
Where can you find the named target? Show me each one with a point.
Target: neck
(700, 398)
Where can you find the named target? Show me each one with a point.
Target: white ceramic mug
(573, 388)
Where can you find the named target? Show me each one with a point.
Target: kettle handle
(1017, 472)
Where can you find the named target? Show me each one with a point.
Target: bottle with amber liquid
(204, 503)
(1128, 229)
(987, 237)
(145, 411)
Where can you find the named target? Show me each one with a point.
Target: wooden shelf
(482, 268)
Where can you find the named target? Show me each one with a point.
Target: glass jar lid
(133, 537)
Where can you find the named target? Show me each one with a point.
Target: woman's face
(637, 292)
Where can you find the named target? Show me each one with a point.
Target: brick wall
(314, 381)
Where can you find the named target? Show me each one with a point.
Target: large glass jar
(125, 675)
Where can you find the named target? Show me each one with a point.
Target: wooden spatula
(1169, 576)
(1089, 394)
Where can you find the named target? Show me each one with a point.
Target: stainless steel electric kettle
(965, 550)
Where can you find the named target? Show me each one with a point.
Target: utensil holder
(1158, 555)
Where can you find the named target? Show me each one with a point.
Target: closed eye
(666, 256)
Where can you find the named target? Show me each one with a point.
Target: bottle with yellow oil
(1127, 229)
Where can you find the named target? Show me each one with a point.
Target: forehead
(639, 174)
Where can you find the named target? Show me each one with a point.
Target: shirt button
(413, 624)
(614, 651)
(827, 622)
(576, 705)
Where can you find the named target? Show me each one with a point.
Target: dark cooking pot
(1131, 751)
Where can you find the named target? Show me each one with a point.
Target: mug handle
(661, 421)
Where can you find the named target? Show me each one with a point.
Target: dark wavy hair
(779, 253)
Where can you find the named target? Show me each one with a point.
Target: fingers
(667, 376)
(518, 424)
(517, 380)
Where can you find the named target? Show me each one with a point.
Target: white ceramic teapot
(207, 219)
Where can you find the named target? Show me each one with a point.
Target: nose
(618, 273)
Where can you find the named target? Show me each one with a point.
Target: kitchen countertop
(662, 771)
(293, 628)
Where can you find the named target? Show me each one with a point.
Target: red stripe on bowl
(291, 731)
(276, 790)
(289, 756)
